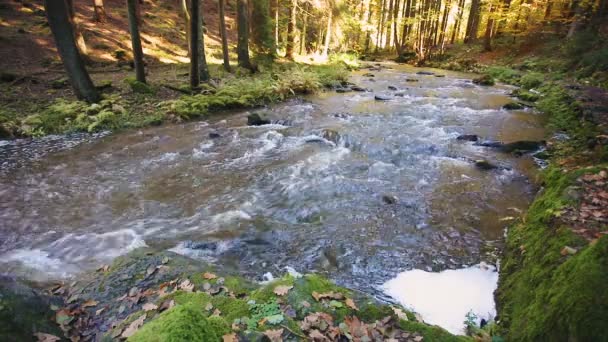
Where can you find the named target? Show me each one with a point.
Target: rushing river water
(309, 192)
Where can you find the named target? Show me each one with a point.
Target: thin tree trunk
(487, 43)
(78, 37)
(368, 35)
(242, 46)
(224, 36)
(138, 54)
(291, 29)
(100, 14)
(328, 33)
(380, 24)
(458, 22)
(63, 32)
(195, 32)
(444, 23)
(303, 35)
(387, 25)
(186, 12)
(472, 23)
(200, 42)
(276, 25)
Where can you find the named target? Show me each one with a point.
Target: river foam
(445, 298)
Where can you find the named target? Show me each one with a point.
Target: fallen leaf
(89, 303)
(98, 312)
(43, 337)
(351, 304)
(316, 335)
(133, 327)
(400, 314)
(209, 276)
(282, 290)
(63, 317)
(186, 285)
(149, 307)
(230, 338)
(167, 304)
(274, 335)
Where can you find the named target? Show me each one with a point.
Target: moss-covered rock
(485, 80)
(546, 295)
(139, 87)
(513, 106)
(182, 323)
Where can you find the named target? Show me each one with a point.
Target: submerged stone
(513, 106)
(468, 137)
(427, 73)
(382, 98)
(256, 120)
(485, 165)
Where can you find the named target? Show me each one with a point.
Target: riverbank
(553, 279)
(149, 296)
(129, 104)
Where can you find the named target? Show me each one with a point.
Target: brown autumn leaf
(282, 290)
(230, 338)
(149, 307)
(186, 285)
(328, 295)
(43, 337)
(209, 276)
(274, 335)
(133, 327)
(351, 304)
(316, 335)
(89, 303)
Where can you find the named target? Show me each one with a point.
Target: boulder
(382, 98)
(427, 73)
(214, 135)
(517, 146)
(390, 199)
(485, 80)
(485, 165)
(358, 88)
(256, 120)
(513, 106)
(468, 137)
(392, 87)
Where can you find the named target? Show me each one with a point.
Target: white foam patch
(446, 297)
(41, 261)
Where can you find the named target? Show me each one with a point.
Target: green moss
(182, 323)
(526, 95)
(139, 87)
(531, 80)
(504, 74)
(544, 295)
(485, 80)
(431, 333)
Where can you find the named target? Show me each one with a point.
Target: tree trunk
(328, 33)
(291, 29)
(242, 46)
(200, 42)
(63, 32)
(78, 37)
(138, 54)
(487, 42)
(186, 12)
(195, 33)
(276, 25)
(458, 21)
(224, 37)
(99, 15)
(382, 4)
(472, 23)
(368, 35)
(303, 35)
(444, 24)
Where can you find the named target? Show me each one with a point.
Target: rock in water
(390, 199)
(357, 88)
(485, 165)
(485, 80)
(392, 87)
(214, 135)
(468, 137)
(256, 120)
(411, 80)
(343, 90)
(369, 74)
(382, 98)
(428, 73)
(513, 106)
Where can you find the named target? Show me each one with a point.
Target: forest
(303, 170)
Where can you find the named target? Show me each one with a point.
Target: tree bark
(195, 38)
(100, 14)
(243, 34)
(138, 54)
(303, 35)
(328, 33)
(186, 12)
(487, 42)
(224, 36)
(472, 23)
(203, 69)
(59, 21)
(458, 21)
(291, 29)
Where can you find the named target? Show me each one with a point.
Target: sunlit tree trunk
(138, 54)
(368, 35)
(303, 35)
(59, 21)
(487, 42)
(458, 21)
(381, 14)
(186, 13)
(99, 14)
(473, 22)
(276, 25)
(387, 26)
(328, 33)
(78, 37)
(444, 24)
(291, 29)
(243, 34)
(225, 51)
